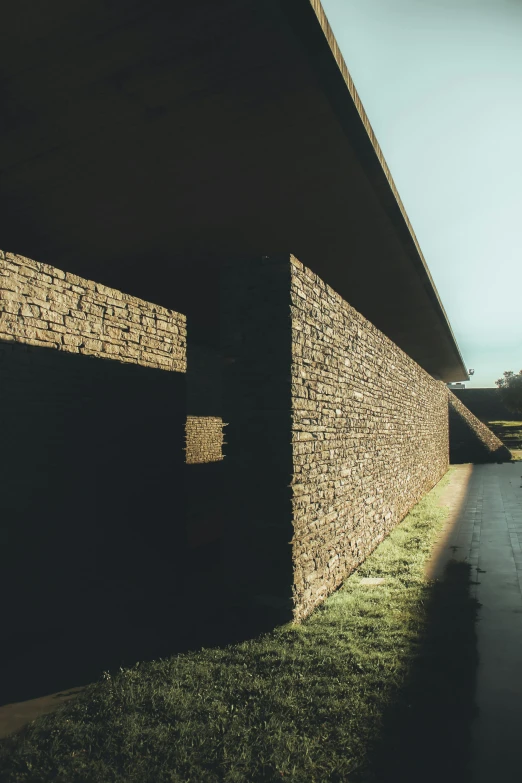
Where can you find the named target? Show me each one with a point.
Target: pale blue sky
(441, 83)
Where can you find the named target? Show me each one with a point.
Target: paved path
(485, 528)
(14, 717)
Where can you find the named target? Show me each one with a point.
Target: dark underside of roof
(143, 143)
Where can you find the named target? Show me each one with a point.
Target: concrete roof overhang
(142, 142)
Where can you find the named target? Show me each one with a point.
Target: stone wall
(334, 433)
(93, 539)
(204, 427)
(256, 348)
(470, 439)
(49, 308)
(204, 439)
(369, 437)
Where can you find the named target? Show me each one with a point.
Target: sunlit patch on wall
(204, 439)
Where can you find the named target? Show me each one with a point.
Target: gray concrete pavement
(485, 529)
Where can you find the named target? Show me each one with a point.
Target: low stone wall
(369, 437)
(471, 440)
(47, 307)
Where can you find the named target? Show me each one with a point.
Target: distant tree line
(510, 387)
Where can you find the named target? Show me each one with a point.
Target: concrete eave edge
(329, 65)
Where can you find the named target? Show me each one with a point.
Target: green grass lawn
(510, 433)
(376, 685)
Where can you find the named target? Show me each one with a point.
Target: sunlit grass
(302, 703)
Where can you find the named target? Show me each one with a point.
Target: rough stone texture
(369, 437)
(47, 307)
(204, 439)
(334, 433)
(486, 404)
(471, 440)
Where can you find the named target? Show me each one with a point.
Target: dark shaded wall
(93, 518)
(256, 347)
(470, 439)
(92, 426)
(486, 404)
(204, 443)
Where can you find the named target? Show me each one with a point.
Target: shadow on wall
(470, 439)
(204, 475)
(97, 571)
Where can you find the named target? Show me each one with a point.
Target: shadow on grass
(144, 627)
(426, 733)
(509, 432)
